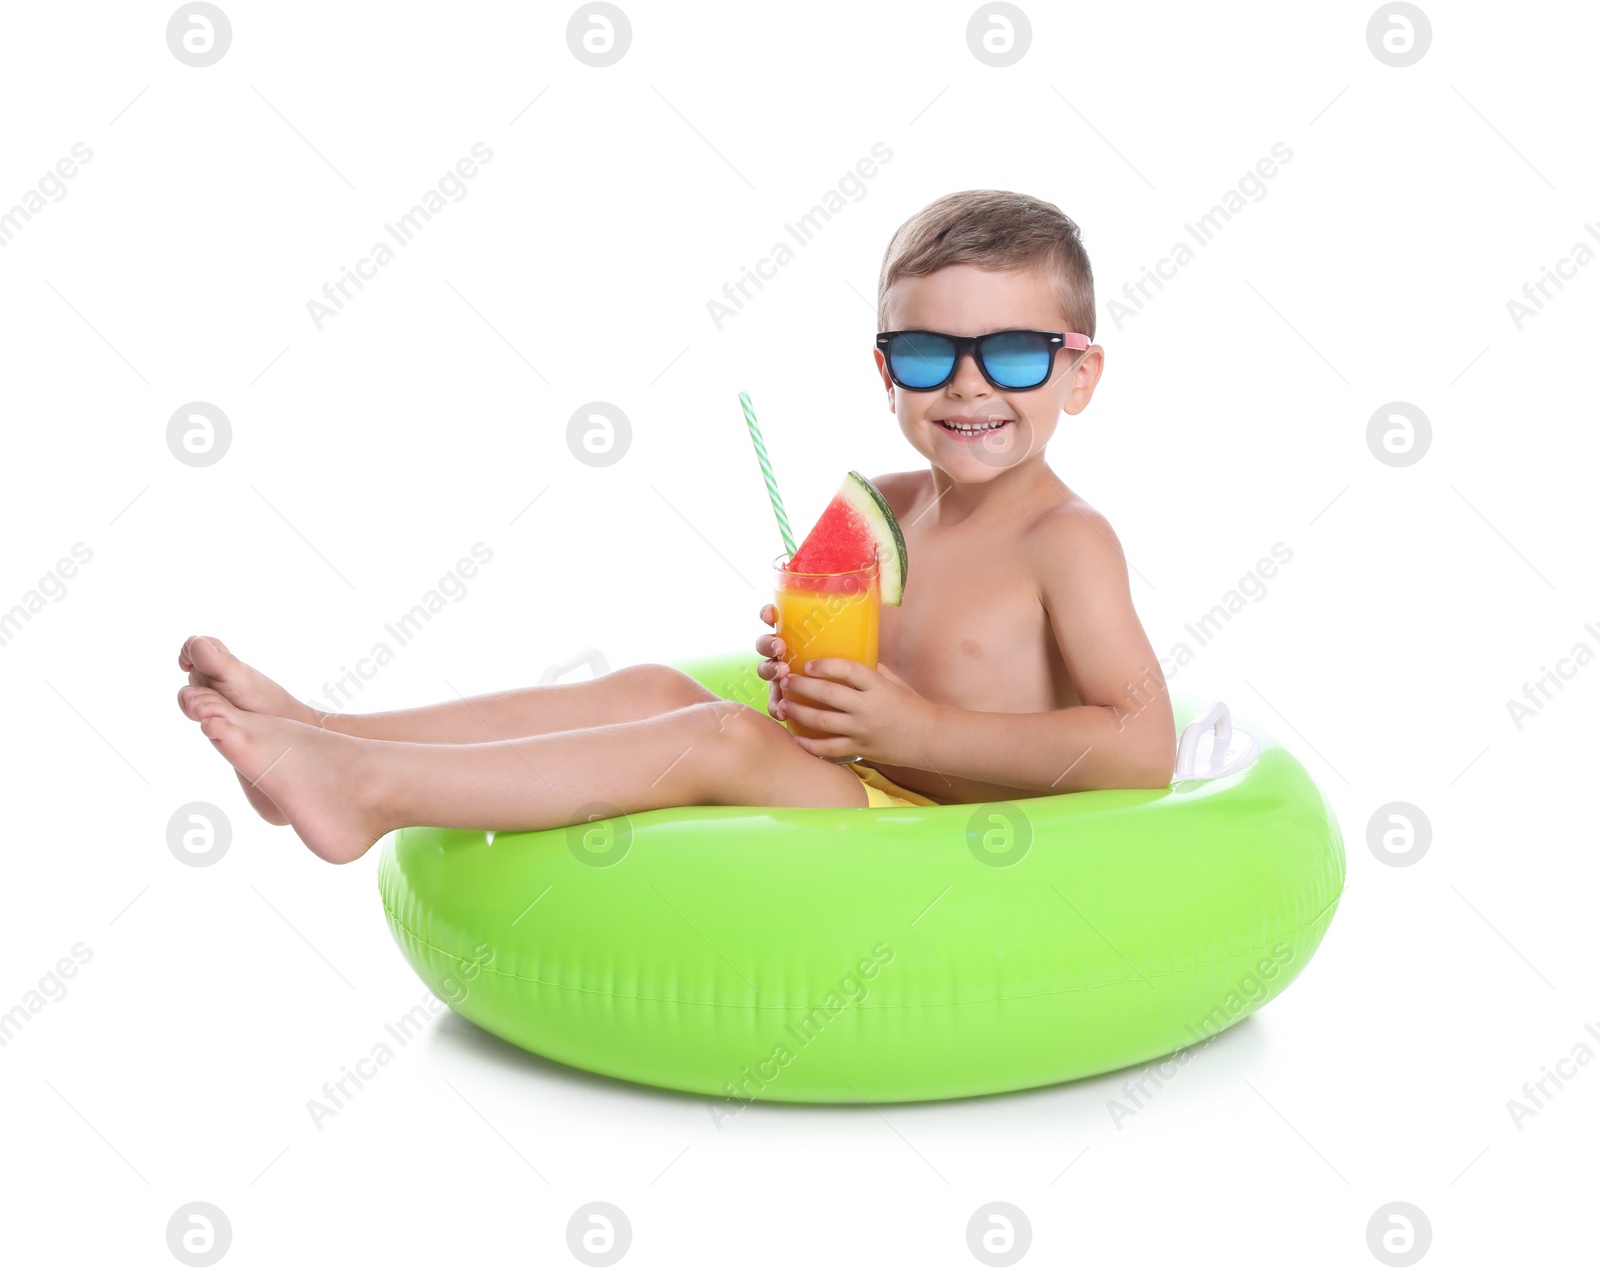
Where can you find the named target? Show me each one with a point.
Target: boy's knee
(754, 761)
(662, 688)
(745, 729)
(726, 745)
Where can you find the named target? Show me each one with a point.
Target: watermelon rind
(866, 499)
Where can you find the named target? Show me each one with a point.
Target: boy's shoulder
(902, 480)
(1074, 548)
(902, 489)
(1072, 521)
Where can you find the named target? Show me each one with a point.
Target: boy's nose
(969, 380)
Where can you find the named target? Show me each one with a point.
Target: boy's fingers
(810, 689)
(840, 669)
(831, 748)
(815, 717)
(769, 614)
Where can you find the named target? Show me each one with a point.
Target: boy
(1014, 667)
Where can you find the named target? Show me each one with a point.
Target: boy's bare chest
(972, 632)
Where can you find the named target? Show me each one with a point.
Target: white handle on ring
(591, 657)
(1228, 752)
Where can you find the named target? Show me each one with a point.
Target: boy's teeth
(973, 427)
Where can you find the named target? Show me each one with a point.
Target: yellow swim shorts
(883, 792)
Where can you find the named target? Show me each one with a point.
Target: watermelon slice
(853, 528)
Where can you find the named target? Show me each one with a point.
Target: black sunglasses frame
(1054, 342)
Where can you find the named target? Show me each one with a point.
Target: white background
(369, 455)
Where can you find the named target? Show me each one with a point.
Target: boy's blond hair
(993, 229)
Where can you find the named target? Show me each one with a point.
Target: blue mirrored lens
(1016, 359)
(921, 360)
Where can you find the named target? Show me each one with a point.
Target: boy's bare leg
(633, 692)
(343, 793)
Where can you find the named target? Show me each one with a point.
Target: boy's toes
(211, 665)
(206, 654)
(205, 704)
(185, 660)
(189, 698)
(218, 728)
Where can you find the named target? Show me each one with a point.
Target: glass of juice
(826, 615)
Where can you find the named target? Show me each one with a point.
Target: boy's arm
(1122, 736)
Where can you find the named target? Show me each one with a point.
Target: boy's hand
(873, 713)
(774, 667)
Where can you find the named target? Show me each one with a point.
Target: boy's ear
(1085, 376)
(883, 371)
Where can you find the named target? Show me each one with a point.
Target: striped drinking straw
(766, 471)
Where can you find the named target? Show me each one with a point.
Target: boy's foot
(311, 777)
(211, 665)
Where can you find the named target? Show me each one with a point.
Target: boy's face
(967, 300)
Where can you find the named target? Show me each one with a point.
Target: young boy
(1014, 667)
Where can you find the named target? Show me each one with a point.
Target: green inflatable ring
(876, 954)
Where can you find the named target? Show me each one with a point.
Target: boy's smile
(969, 428)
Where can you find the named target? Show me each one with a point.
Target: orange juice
(827, 615)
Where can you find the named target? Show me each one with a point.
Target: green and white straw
(766, 471)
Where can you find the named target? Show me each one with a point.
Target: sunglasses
(1014, 361)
